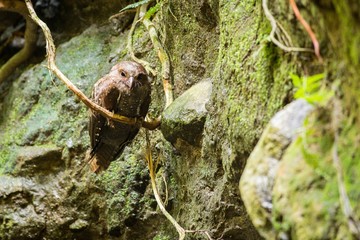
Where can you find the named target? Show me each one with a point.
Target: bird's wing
(97, 123)
(145, 106)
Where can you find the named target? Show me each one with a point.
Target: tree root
(130, 45)
(152, 165)
(30, 37)
(273, 23)
(162, 54)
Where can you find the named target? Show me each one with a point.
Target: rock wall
(222, 44)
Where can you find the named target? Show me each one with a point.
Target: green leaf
(135, 5)
(315, 98)
(313, 87)
(327, 95)
(321, 97)
(300, 93)
(315, 78)
(296, 80)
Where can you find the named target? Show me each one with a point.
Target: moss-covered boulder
(312, 192)
(258, 178)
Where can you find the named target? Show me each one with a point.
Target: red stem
(307, 28)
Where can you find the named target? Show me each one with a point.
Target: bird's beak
(130, 83)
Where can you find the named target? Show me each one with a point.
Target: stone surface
(185, 117)
(257, 180)
(38, 159)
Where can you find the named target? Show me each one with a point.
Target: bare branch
(51, 53)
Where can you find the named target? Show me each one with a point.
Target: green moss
(350, 160)
(5, 226)
(40, 109)
(247, 64)
(317, 207)
(162, 236)
(308, 194)
(124, 183)
(350, 30)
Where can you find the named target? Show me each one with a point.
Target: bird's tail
(102, 155)
(94, 166)
(90, 159)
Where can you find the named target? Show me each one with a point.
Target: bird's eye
(123, 73)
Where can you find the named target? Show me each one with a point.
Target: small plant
(135, 5)
(311, 89)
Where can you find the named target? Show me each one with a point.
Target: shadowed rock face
(19, 214)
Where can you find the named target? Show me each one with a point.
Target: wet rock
(257, 181)
(184, 119)
(38, 159)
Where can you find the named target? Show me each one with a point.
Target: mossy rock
(184, 119)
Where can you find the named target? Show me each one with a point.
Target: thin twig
(6, 43)
(130, 45)
(205, 232)
(51, 54)
(162, 54)
(272, 20)
(30, 38)
(354, 225)
(171, 12)
(287, 36)
(166, 192)
(152, 168)
(150, 162)
(308, 29)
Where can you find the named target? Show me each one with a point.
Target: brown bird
(124, 91)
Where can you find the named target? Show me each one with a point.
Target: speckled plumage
(124, 91)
